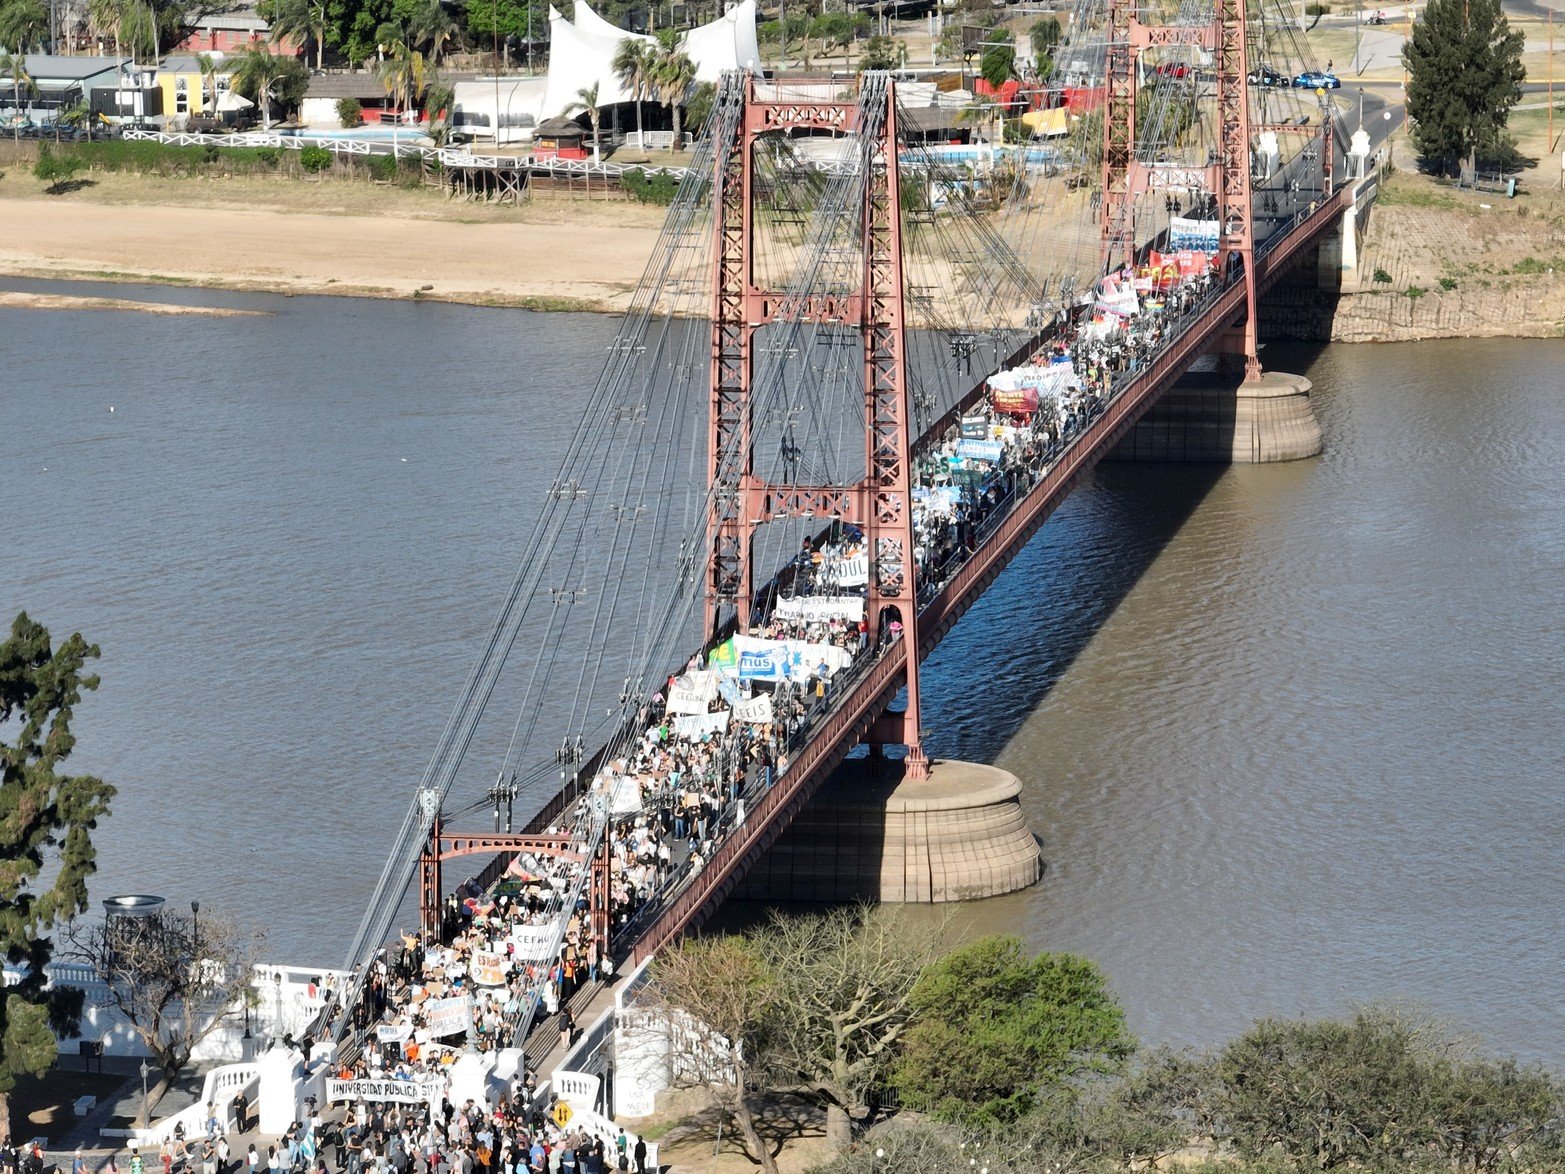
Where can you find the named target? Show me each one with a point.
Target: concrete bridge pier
(1212, 417)
(870, 833)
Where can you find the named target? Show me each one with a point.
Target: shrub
(1382, 277)
(1413, 292)
(268, 155)
(1448, 283)
(657, 188)
(210, 154)
(1317, 9)
(350, 112)
(381, 167)
(55, 170)
(314, 159)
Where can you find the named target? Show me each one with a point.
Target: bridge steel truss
(1125, 177)
(881, 503)
(444, 845)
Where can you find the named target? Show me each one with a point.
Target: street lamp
(146, 1069)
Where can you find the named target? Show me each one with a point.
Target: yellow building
(186, 93)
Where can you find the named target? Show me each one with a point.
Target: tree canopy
(993, 1028)
(1464, 75)
(46, 823)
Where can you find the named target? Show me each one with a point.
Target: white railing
(218, 1090)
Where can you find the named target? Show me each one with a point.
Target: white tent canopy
(581, 53)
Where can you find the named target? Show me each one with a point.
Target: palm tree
(13, 68)
(209, 67)
(673, 73)
(632, 64)
(432, 26)
(587, 99)
(304, 21)
(401, 70)
(109, 15)
(257, 70)
(439, 96)
(23, 24)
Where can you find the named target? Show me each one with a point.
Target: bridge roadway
(864, 692)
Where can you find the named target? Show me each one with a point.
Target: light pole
(146, 1070)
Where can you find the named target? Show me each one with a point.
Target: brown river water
(1292, 736)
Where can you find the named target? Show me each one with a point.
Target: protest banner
(757, 711)
(532, 943)
(696, 726)
(809, 608)
(403, 1092)
(445, 1017)
(692, 693)
(488, 969)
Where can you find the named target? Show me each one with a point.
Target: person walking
(567, 1026)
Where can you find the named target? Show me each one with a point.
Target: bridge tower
(881, 502)
(1228, 178)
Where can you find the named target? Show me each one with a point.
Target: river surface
(1292, 736)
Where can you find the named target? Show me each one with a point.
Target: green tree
(673, 73)
(432, 29)
(55, 170)
(1044, 36)
(698, 107)
(499, 23)
(633, 63)
(46, 823)
(879, 53)
(255, 72)
(1464, 75)
(997, 65)
(13, 72)
(401, 68)
(24, 24)
(302, 21)
(993, 1029)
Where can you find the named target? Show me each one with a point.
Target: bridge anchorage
(906, 363)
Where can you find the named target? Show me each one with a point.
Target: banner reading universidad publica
(403, 1092)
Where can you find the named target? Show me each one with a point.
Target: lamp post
(146, 1070)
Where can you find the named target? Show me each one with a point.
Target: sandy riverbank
(338, 238)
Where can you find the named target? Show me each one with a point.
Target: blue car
(1317, 79)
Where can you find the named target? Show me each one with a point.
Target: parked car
(1317, 79)
(1265, 75)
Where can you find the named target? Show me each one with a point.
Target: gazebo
(560, 138)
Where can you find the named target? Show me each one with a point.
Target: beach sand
(339, 238)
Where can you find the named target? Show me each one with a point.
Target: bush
(1382, 277)
(1413, 292)
(268, 155)
(657, 188)
(350, 112)
(381, 167)
(1317, 9)
(1448, 283)
(55, 170)
(314, 159)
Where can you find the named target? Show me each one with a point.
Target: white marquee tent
(581, 53)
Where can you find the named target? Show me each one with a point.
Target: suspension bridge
(811, 364)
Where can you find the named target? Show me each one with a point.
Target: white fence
(218, 1091)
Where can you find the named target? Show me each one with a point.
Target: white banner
(404, 1092)
(390, 1033)
(696, 726)
(757, 711)
(445, 1017)
(532, 943)
(1184, 233)
(692, 693)
(849, 572)
(488, 969)
(625, 797)
(821, 607)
